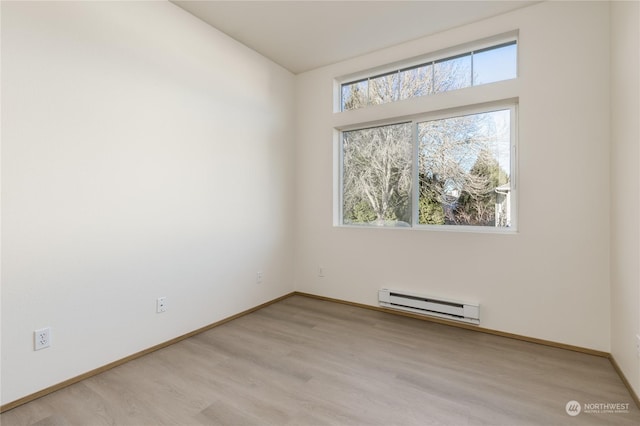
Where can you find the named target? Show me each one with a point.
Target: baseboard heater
(424, 305)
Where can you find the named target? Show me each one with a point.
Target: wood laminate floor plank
(304, 361)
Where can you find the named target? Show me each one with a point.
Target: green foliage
(361, 212)
(476, 204)
(430, 212)
(487, 168)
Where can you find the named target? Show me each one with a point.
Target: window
(377, 174)
(473, 68)
(453, 170)
(448, 168)
(464, 170)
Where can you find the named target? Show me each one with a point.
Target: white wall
(144, 154)
(625, 187)
(549, 281)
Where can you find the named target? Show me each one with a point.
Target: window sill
(436, 228)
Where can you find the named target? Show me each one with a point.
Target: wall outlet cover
(42, 338)
(161, 305)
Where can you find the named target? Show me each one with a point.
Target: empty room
(320, 213)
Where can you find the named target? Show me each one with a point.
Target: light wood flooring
(303, 361)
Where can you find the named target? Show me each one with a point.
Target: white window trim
(511, 105)
(482, 98)
(507, 37)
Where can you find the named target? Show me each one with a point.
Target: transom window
(472, 68)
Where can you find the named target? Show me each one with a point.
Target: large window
(436, 162)
(447, 170)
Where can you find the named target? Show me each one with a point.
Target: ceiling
(303, 35)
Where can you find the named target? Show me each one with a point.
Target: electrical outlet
(320, 272)
(161, 305)
(259, 277)
(42, 338)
